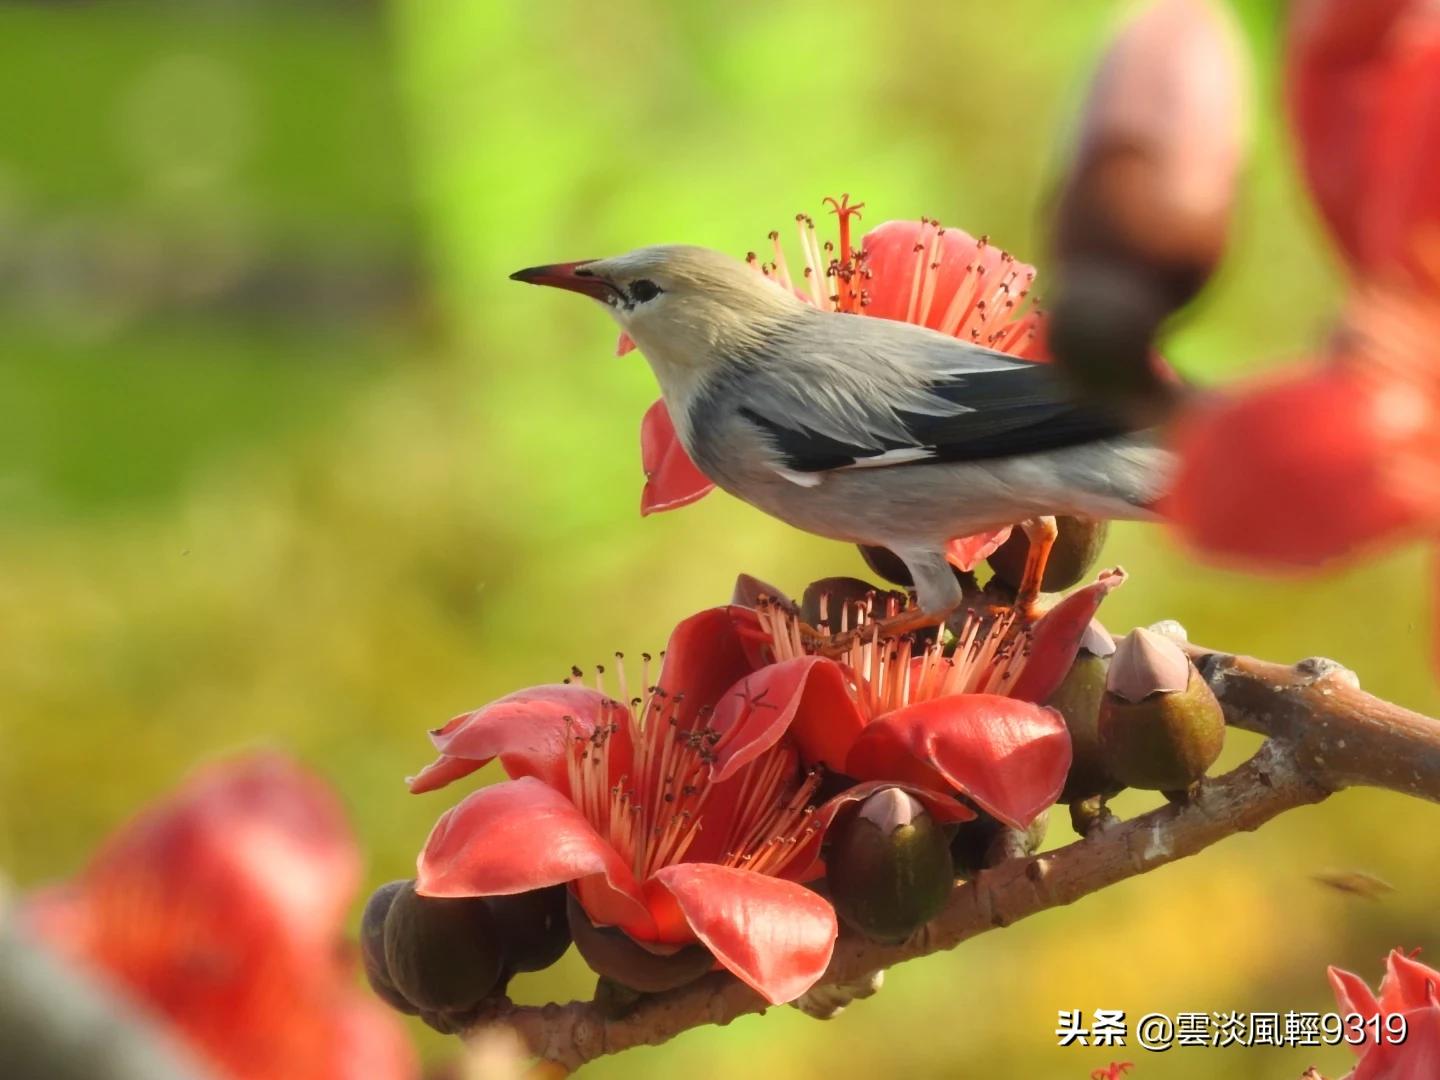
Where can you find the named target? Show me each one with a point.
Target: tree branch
(1324, 734)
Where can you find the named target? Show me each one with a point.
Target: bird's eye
(643, 289)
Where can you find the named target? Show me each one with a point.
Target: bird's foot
(1041, 532)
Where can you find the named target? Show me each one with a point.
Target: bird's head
(686, 308)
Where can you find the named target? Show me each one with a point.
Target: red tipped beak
(572, 276)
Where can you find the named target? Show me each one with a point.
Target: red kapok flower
(221, 910)
(622, 800)
(1409, 996)
(910, 271)
(968, 722)
(1364, 89)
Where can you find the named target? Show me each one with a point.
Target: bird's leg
(912, 619)
(1041, 532)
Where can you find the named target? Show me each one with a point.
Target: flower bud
(1076, 549)
(372, 946)
(1159, 723)
(617, 956)
(987, 842)
(531, 927)
(442, 953)
(889, 867)
(1077, 699)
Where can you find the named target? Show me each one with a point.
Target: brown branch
(1324, 735)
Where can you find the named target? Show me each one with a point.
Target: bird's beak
(572, 276)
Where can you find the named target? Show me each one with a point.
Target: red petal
(521, 835)
(1352, 996)
(773, 935)
(968, 552)
(968, 273)
(1298, 470)
(806, 697)
(1408, 984)
(527, 730)
(1417, 1058)
(368, 1042)
(672, 480)
(1364, 89)
(1056, 638)
(707, 654)
(624, 344)
(1009, 756)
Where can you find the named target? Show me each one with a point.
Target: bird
(866, 430)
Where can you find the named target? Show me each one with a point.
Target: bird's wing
(897, 398)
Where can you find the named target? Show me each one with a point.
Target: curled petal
(529, 731)
(806, 697)
(521, 835)
(672, 480)
(1352, 996)
(1009, 756)
(1408, 983)
(1057, 636)
(773, 935)
(968, 552)
(706, 655)
(1298, 470)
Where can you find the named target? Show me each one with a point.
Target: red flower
(622, 802)
(221, 910)
(910, 271)
(1387, 1051)
(1364, 92)
(968, 722)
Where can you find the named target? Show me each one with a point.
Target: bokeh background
(285, 460)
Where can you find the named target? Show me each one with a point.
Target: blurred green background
(285, 459)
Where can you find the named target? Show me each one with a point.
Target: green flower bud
(617, 956)
(442, 953)
(532, 927)
(888, 867)
(1076, 549)
(1077, 699)
(1160, 725)
(372, 946)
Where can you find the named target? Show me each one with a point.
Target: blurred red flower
(1409, 989)
(221, 910)
(910, 271)
(1338, 455)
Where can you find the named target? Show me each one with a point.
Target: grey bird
(862, 429)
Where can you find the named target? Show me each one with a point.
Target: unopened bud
(532, 927)
(1160, 725)
(617, 956)
(1078, 699)
(372, 947)
(889, 867)
(442, 953)
(1078, 543)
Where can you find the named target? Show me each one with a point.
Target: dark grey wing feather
(1021, 408)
